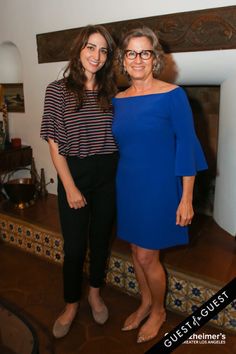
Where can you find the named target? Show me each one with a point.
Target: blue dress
(157, 144)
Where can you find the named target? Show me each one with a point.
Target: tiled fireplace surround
(185, 291)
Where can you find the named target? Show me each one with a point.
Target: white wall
(225, 195)
(10, 64)
(20, 21)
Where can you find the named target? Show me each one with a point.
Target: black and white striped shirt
(78, 132)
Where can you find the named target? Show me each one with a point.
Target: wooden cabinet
(15, 158)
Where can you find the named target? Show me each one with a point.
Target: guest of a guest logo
(195, 321)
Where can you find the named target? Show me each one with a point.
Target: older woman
(159, 157)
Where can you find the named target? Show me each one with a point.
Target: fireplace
(204, 101)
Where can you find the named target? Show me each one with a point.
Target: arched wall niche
(11, 77)
(10, 64)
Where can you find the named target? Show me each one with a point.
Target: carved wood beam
(209, 29)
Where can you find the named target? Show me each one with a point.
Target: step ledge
(185, 292)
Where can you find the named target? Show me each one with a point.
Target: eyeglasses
(144, 54)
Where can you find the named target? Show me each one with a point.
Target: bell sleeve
(52, 125)
(189, 158)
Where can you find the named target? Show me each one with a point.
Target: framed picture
(13, 96)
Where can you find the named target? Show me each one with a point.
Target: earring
(156, 67)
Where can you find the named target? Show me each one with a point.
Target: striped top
(78, 132)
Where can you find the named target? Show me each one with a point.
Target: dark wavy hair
(74, 76)
(153, 38)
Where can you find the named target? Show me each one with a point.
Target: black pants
(90, 225)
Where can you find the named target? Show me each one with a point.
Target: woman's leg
(74, 225)
(102, 219)
(155, 276)
(143, 310)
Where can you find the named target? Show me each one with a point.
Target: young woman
(159, 157)
(77, 125)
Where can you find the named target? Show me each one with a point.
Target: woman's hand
(75, 198)
(184, 213)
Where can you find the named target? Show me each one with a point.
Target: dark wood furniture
(12, 159)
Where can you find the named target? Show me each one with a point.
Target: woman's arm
(74, 197)
(185, 211)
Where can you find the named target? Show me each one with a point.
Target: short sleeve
(189, 154)
(52, 122)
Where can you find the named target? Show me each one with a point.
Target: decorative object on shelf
(16, 142)
(4, 131)
(24, 192)
(43, 191)
(34, 175)
(40, 181)
(21, 192)
(2, 136)
(5, 123)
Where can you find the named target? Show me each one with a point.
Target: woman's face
(94, 55)
(139, 68)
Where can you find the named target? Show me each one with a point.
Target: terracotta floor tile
(34, 286)
(85, 337)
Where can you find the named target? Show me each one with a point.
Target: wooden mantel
(209, 29)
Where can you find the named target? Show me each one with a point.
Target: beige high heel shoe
(135, 325)
(142, 338)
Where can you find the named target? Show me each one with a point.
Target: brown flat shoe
(99, 317)
(59, 330)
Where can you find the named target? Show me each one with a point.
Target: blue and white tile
(38, 249)
(57, 256)
(3, 224)
(37, 236)
(47, 239)
(131, 285)
(177, 285)
(28, 233)
(11, 226)
(209, 293)
(129, 269)
(196, 292)
(47, 252)
(193, 305)
(231, 308)
(57, 243)
(5, 235)
(21, 242)
(116, 264)
(218, 319)
(116, 279)
(230, 320)
(28, 245)
(20, 230)
(13, 238)
(178, 302)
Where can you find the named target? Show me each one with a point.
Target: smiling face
(94, 55)
(138, 68)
